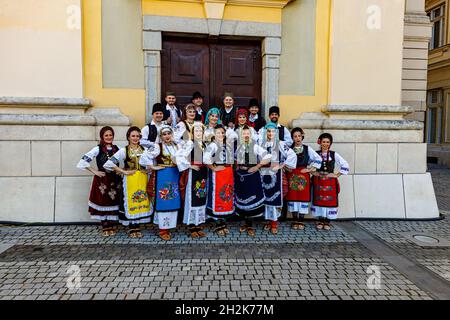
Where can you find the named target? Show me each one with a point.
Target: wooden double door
(212, 67)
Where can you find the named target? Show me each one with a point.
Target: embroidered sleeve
(149, 155)
(182, 156)
(289, 154)
(287, 137)
(209, 152)
(314, 159)
(231, 134)
(144, 140)
(115, 160)
(262, 153)
(179, 132)
(87, 158)
(344, 168)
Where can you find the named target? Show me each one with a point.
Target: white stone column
(152, 48)
(152, 81)
(271, 50)
(415, 58)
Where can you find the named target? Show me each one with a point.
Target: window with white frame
(435, 116)
(437, 17)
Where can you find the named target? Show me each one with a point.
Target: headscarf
(213, 110)
(241, 112)
(165, 128)
(270, 125)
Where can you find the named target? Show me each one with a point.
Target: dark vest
(302, 158)
(258, 124)
(103, 156)
(328, 164)
(152, 132)
(167, 113)
(128, 160)
(281, 133)
(228, 117)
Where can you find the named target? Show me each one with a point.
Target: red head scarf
(242, 112)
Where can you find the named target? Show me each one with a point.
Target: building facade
(354, 68)
(437, 133)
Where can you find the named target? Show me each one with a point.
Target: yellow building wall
(41, 53)
(130, 101)
(196, 10)
(293, 106)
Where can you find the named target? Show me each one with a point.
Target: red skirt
(299, 186)
(104, 198)
(325, 192)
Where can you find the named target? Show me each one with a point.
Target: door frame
(268, 33)
(212, 44)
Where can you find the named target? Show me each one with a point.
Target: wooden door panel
(185, 68)
(237, 67)
(187, 65)
(211, 67)
(238, 70)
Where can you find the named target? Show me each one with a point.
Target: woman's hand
(156, 168)
(100, 174)
(128, 172)
(253, 169)
(194, 167)
(219, 168)
(306, 170)
(332, 175)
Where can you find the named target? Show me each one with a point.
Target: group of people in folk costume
(219, 164)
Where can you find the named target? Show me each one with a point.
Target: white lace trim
(278, 193)
(105, 218)
(272, 182)
(102, 208)
(136, 221)
(252, 206)
(298, 207)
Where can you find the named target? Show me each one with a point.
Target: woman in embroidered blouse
(104, 195)
(163, 186)
(183, 129)
(135, 209)
(193, 181)
(218, 157)
(326, 184)
(249, 193)
(299, 179)
(273, 180)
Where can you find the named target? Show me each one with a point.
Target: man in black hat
(283, 132)
(150, 133)
(228, 111)
(197, 100)
(172, 114)
(255, 120)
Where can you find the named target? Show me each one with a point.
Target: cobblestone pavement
(441, 181)
(76, 262)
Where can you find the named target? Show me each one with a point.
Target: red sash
(299, 186)
(326, 192)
